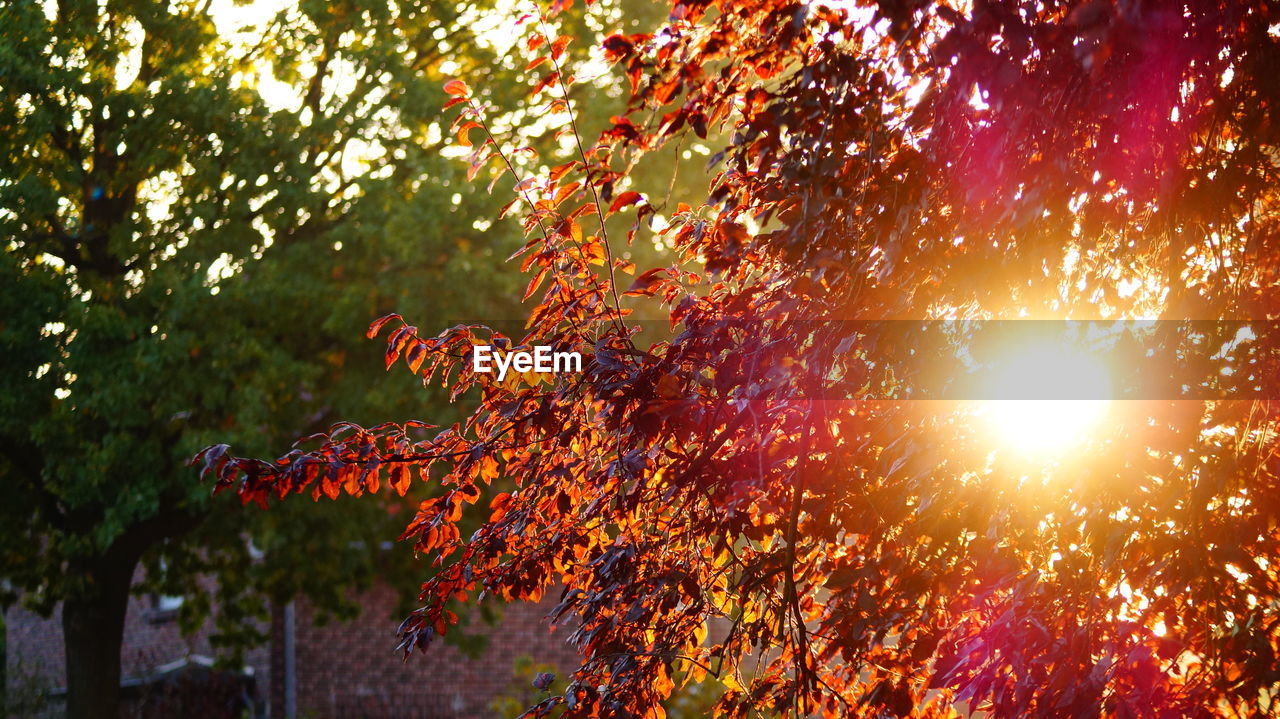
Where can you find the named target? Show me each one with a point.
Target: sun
(1045, 399)
(1040, 426)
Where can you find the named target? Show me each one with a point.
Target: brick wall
(343, 670)
(34, 658)
(351, 670)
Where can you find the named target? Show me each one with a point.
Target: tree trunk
(92, 632)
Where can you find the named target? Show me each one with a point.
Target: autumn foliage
(703, 506)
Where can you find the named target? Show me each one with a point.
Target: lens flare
(1046, 399)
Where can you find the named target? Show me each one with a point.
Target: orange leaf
(565, 192)
(593, 251)
(557, 47)
(464, 129)
(559, 170)
(417, 353)
(533, 283)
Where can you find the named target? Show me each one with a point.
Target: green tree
(172, 174)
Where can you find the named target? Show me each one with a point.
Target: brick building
(344, 669)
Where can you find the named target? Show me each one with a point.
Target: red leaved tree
(751, 498)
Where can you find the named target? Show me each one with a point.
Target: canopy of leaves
(851, 556)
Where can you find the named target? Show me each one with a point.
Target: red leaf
(630, 197)
(376, 326)
(417, 353)
(396, 343)
(457, 87)
(617, 47)
(331, 488)
(547, 81)
(646, 284)
(400, 478)
(211, 457)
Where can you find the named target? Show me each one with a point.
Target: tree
(753, 491)
(195, 209)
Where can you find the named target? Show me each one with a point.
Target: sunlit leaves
(707, 500)
(457, 88)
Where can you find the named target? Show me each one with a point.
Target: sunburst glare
(1046, 399)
